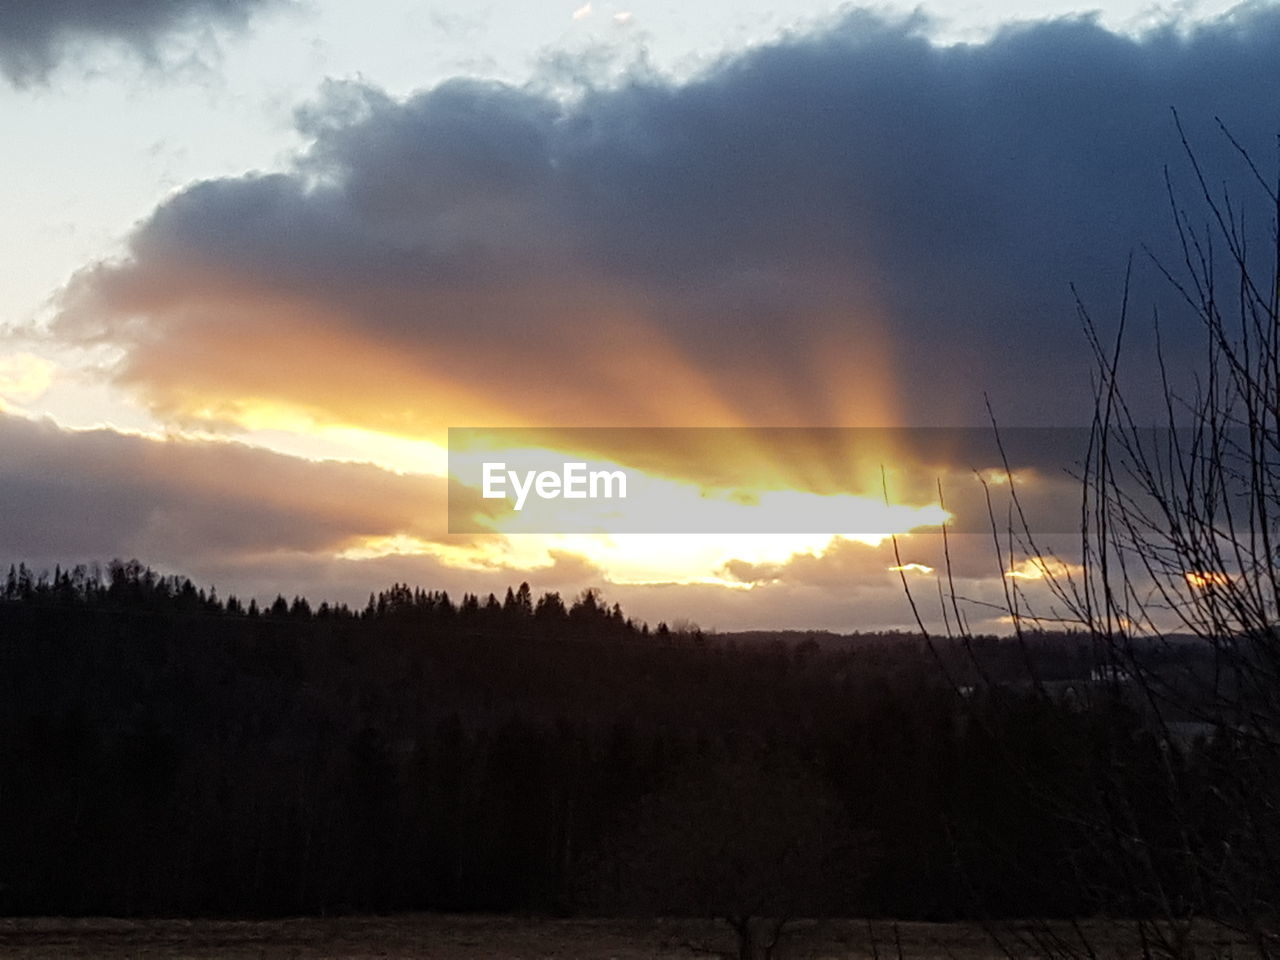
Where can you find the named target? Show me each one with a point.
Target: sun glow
(618, 542)
(622, 559)
(1042, 568)
(693, 509)
(1205, 579)
(919, 568)
(754, 498)
(24, 378)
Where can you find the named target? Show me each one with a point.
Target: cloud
(36, 35)
(259, 523)
(842, 563)
(851, 585)
(74, 495)
(849, 226)
(247, 519)
(345, 580)
(970, 558)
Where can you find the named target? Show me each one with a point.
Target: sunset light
(768, 479)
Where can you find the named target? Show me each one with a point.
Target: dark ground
(498, 938)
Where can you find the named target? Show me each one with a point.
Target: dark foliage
(166, 751)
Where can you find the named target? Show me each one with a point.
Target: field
(493, 938)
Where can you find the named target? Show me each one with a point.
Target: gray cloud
(249, 520)
(844, 227)
(259, 523)
(852, 226)
(75, 495)
(351, 580)
(35, 35)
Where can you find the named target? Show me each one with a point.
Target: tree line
(166, 751)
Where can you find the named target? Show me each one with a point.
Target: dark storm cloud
(849, 226)
(35, 35)
(77, 495)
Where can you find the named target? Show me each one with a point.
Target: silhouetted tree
(755, 842)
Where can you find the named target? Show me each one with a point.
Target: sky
(260, 255)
